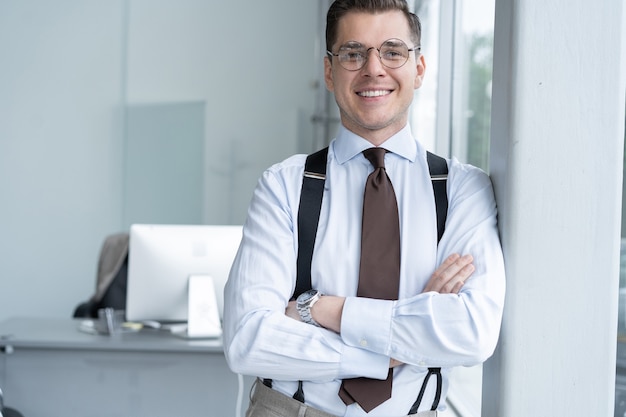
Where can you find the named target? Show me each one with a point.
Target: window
(451, 116)
(452, 111)
(620, 372)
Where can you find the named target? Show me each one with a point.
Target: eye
(393, 54)
(352, 55)
(352, 52)
(394, 50)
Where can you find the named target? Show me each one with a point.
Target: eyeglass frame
(417, 48)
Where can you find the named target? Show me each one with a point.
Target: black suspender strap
(311, 195)
(438, 168)
(308, 216)
(431, 372)
(298, 395)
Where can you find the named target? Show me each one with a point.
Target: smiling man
(393, 305)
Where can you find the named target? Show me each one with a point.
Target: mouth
(373, 93)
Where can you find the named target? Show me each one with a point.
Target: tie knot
(376, 156)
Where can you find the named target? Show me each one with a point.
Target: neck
(375, 137)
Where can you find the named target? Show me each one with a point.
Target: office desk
(48, 368)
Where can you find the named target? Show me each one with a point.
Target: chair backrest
(115, 294)
(111, 278)
(113, 259)
(6, 411)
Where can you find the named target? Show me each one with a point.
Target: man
(450, 295)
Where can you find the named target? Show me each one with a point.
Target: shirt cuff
(356, 362)
(366, 325)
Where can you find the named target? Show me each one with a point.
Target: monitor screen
(161, 259)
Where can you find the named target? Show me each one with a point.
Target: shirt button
(422, 363)
(363, 343)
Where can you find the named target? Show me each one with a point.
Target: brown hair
(340, 8)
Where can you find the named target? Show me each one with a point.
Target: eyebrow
(358, 45)
(352, 45)
(394, 42)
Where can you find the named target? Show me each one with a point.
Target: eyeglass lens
(393, 53)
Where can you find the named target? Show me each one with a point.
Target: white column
(557, 157)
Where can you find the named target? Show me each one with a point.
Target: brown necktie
(379, 274)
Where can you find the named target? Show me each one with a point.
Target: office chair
(111, 278)
(6, 411)
(10, 412)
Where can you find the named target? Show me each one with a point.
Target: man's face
(374, 116)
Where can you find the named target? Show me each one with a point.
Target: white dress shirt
(420, 329)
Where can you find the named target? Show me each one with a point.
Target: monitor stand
(203, 318)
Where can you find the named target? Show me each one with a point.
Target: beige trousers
(266, 402)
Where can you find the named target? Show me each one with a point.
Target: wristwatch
(304, 302)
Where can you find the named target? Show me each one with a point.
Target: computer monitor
(162, 258)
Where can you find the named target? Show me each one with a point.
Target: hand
(450, 277)
(394, 362)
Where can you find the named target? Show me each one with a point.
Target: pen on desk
(108, 312)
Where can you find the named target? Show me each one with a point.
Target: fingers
(394, 362)
(451, 275)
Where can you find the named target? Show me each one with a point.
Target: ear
(421, 70)
(328, 74)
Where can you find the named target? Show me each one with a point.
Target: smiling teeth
(375, 93)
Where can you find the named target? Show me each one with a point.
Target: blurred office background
(155, 111)
(138, 111)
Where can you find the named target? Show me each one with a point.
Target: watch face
(304, 303)
(306, 296)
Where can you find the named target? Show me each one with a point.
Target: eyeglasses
(393, 54)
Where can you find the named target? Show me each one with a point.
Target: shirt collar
(347, 145)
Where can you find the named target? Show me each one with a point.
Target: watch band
(305, 302)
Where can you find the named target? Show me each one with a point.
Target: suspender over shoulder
(438, 168)
(308, 216)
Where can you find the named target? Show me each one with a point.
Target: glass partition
(452, 110)
(620, 371)
(451, 115)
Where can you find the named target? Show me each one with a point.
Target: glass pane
(469, 138)
(620, 372)
(452, 115)
(471, 97)
(424, 109)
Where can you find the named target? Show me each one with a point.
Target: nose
(373, 66)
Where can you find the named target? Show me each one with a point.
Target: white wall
(60, 149)
(557, 156)
(68, 70)
(253, 63)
